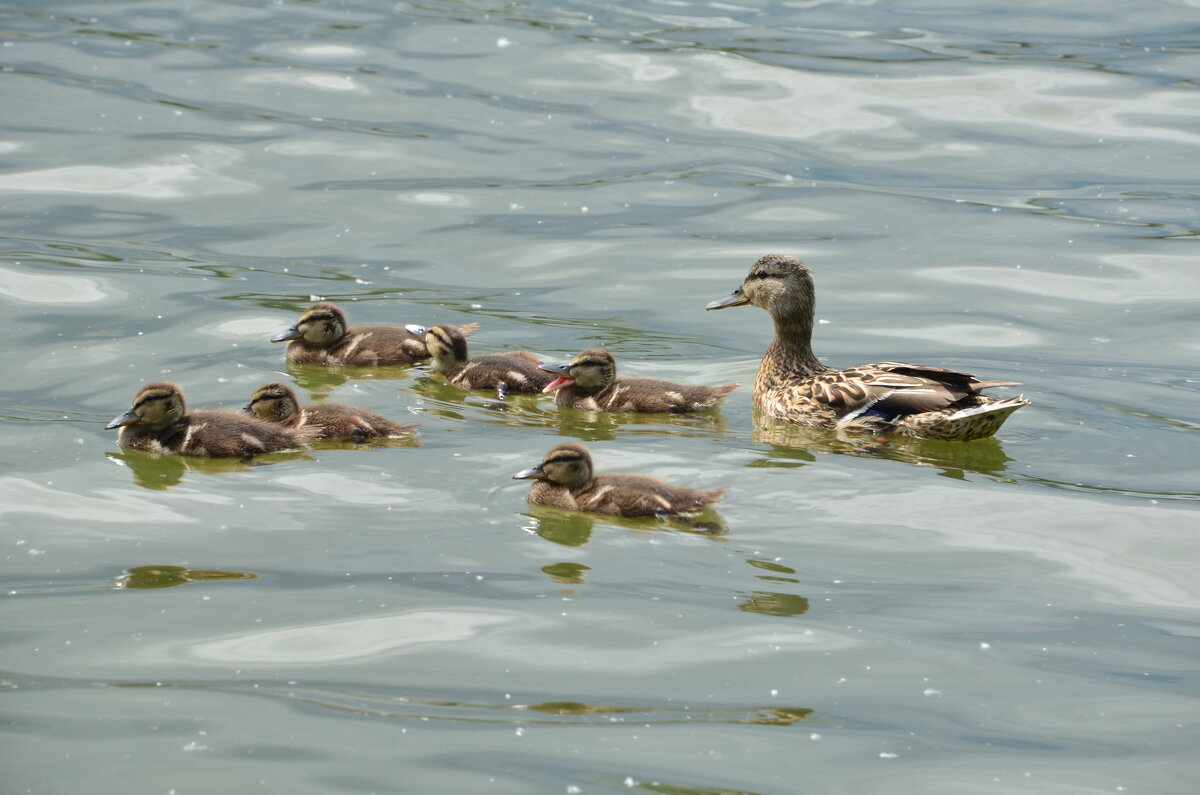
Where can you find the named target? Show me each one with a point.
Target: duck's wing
(849, 393)
(951, 378)
(891, 389)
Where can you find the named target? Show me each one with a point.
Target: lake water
(1010, 189)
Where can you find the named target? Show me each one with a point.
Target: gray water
(1009, 189)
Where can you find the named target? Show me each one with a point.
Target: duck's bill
(533, 473)
(248, 408)
(557, 384)
(128, 416)
(413, 328)
(563, 373)
(736, 298)
(290, 333)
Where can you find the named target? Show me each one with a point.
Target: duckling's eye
(760, 275)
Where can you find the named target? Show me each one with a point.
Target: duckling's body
(322, 336)
(159, 422)
(589, 382)
(277, 403)
(906, 399)
(565, 480)
(505, 372)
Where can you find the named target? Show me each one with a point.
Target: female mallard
(907, 399)
(589, 382)
(322, 336)
(159, 422)
(504, 372)
(277, 403)
(565, 480)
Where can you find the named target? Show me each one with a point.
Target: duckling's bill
(564, 378)
(532, 473)
(124, 418)
(290, 333)
(736, 298)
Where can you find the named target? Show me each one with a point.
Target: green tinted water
(1006, 193)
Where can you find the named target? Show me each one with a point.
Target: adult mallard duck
(159, 422)
(589, 382)
(565, 480)
(906, 399)
(322, 336)
(504, 372)
(277, 403)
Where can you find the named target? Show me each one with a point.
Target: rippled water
(1009, 189)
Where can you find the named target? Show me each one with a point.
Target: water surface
(1002, 189)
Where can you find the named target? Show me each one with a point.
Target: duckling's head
(321, 324)
(447, 346)
(591, 371)
(778, 283)
(567, 465)
(158, 404)
(274, 402)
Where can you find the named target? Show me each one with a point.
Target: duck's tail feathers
(975, 422)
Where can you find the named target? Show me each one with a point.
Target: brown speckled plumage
(565, 480)
(159, 422)
(322, 336)
(589, 382)
(277, 403)
(517, 371)
(906, 399)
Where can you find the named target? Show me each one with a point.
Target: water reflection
(574, 528)
(160, 472)
(603, 426)
(320, 380)
(567, 573)
(567, 528)
(771, 565)
(149, 577)
(795, 445)
(458, 709)
(770, 603)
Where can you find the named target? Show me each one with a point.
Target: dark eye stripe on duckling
(591, 361)
(261, 396)
(562, 458)
(153, 396)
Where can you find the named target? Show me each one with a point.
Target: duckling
(322, 336)
(505, 372)
(589, 381)
(277, 403)
(905, 399)
(159, 422)
(565, 480)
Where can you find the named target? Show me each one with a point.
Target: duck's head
(778, 283)
(446, 345)
(591, 371)
(321, 324)
(274, 402)
(157, 404)
(567, 465)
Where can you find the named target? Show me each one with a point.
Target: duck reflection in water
(320, 381)
(161, 472)
(605, 426)
(151, 577)
(794, 445)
